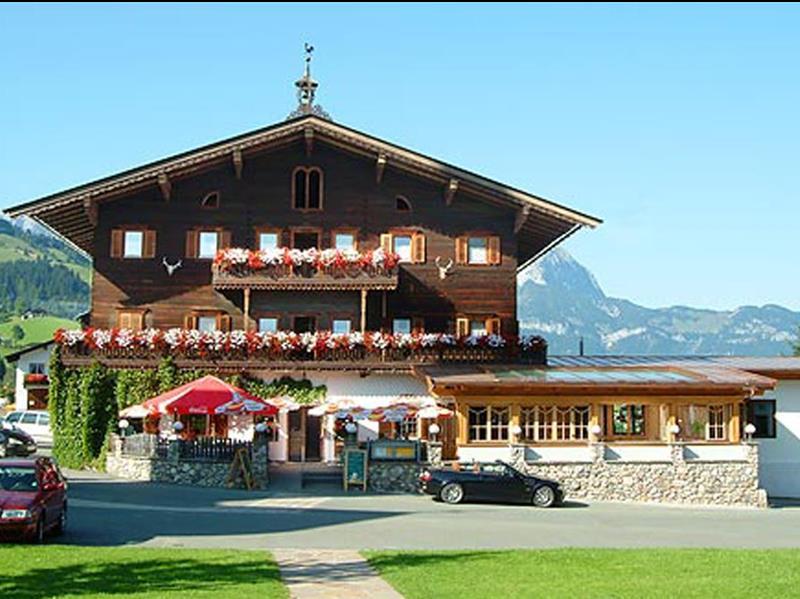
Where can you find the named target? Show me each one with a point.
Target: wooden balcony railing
(303, 278)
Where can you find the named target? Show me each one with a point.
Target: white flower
(125, 338)
(238, 339)
(101, 337)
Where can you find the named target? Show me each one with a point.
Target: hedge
(84, 402)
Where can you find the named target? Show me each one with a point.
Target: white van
(34, 422)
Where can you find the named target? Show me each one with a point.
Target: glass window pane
(29, 418)
(344, 241)
(44, 419)
(314, 190)
(402, 247)
(267, 325)
(207, 323)
(267, 241)
(133, 244)
(300, 189)
(401, 326)
(13, 417)
(477, 250)
(341, 327)
(477, 327)
(208, 244)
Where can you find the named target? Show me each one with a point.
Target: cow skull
(171, 268)
(443, 270)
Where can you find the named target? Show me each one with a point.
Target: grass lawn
(36, 329)
(591, 573)
(66, 571)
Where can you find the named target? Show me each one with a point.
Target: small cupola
(306, 91)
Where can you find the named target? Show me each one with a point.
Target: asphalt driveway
(107, 511)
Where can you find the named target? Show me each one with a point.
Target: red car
(33, 499)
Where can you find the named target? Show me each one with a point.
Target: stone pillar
(174, 450)
(116, 445)
(260, 460)
(435, 453)
(676, 453)
(597, 452)
(517, 456)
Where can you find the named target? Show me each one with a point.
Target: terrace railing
(210, 449)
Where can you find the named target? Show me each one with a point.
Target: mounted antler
(171, 268)
(443, 270)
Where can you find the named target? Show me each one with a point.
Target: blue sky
(678, 125)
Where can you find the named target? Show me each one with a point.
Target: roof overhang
(540, 223)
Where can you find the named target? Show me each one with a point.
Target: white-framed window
(554, 423)
(401, 326)
(133, 244)
(341, 326)
(208, 242)
(206, 323)
(267, 325)
(36, 368)
(408, 428)
(344, 241)
(717, 423)
(477, 250)
(488, 423)
(477, 327)
(267, 241)
(401, 245)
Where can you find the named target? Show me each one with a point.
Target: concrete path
(330, 574)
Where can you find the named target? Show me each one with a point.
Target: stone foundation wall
(731, 483)
(394, 477)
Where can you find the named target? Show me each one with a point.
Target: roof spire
(306, 90)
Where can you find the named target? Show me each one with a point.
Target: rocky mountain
(561, 300)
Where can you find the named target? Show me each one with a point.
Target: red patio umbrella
(208, 395)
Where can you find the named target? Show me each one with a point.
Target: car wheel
(544, 496)
(61, 526)
(452, 493)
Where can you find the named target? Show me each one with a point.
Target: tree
(17, 334)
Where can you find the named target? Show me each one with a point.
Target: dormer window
(210, 201)
(307, 188)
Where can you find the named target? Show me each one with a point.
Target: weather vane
(306, 90)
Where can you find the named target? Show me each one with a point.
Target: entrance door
(297, 435)
(313, 430)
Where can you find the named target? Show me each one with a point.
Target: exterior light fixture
(123, 424)
(674, 429)
(351, 427)
(596, 430)
(261, 427)
(516, 430)
(177, 426)
(434, 429)
(749, 431)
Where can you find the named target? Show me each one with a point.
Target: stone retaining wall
(394, 477)
(732, 483)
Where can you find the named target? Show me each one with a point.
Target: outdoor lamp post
(351, 428)
(434, 430)
(261, 427)
(749, 431)
(674, 430)
(596, 430)
(123, 426)
(516, 431)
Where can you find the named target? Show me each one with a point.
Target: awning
(208, 395)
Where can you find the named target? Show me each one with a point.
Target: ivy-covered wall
(84, 402)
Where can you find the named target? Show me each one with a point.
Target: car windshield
(18, 478)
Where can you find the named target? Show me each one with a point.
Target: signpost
(355, 469)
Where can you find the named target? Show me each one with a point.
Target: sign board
(241, 466)
(355, 469)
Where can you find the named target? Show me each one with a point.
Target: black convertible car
(496, 481)
(15, 442)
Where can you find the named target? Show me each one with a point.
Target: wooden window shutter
(137, 321)
(149, 249)
(418, 248)
(190, 322)
(191, 245)
(493, 326)
(124, 320)
(461, 250)
(117, 242)
(224, 322)
(493, 254)
(224, 240)
(386, 242)
(462, 327)
(418, 324)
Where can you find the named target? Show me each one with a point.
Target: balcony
(239, 350)
(283, 269)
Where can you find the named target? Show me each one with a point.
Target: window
(476, 327)
(133, 320)
(307, 188)
(341, 327)
(401, 326)
(29, 418)
(134, 244)
(44, 420)
(14, 417)
(210, 201)
(716, 423)
(624, 420)
(555, 423)
(208, 241)
(402, 204)
(488, 423)
(206, 323)
(476, 251)
(401, 245)
(761, 414)
(268, 241)
(344, 241)
(36, 368)
(267, 325)
(304, 240)
(304, 324)
(407, 428)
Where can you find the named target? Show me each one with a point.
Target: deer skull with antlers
(443, 270)
(171, 268)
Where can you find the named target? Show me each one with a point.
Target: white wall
(779, 458)
(41, 355)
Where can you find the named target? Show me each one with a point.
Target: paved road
(105, 511)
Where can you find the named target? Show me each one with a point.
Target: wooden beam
(363, 311)
(165, 185)
(90, 207)
(238, 162)
(246, 309)
(308, 135)
(380, 166)
(522, 217)
(450, 191)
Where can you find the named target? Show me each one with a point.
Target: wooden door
(297, 435)
(313, 438)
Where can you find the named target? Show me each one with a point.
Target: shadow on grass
(132, 575)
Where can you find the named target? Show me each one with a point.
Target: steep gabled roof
(541, 223)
